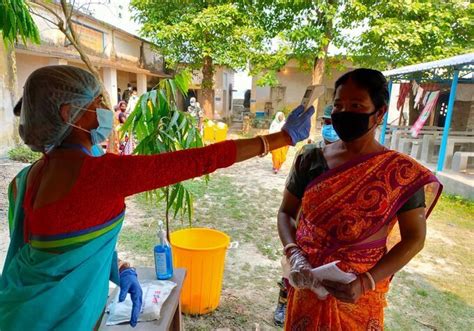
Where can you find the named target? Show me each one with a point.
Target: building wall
(463, 112)
(223, 83)
(127, 48)
(295, 81)
(25, 65)
(114, 52)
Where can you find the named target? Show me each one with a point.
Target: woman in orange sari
(278, 155)
(348, 197)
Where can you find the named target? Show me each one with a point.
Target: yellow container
(221, 131)
(202, 252)
(208, 132)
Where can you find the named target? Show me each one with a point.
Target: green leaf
(189, 205)
(179, 201)
(173, 195)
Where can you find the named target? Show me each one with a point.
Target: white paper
(330, 272)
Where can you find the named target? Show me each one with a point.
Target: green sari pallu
(40, 290)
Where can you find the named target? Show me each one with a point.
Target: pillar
(447, 122)
(141, 83)
(385, 118)
(110, 83)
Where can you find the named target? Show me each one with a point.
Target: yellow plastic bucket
(202, 253)
(221, 132)
(209, 132)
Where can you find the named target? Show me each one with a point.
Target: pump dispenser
(163, 257)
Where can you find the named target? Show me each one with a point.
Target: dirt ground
(434, 292)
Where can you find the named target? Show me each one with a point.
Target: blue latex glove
(129, 284)
(298, 124)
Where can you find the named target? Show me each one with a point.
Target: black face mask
(350, 125)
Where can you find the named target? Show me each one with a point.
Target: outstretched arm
(128, 175)
(248, 148)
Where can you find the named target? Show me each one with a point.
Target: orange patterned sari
(340, 210)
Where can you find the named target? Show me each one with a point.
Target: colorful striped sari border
(76, 237)
(77, 233)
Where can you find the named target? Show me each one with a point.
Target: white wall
(25, 65)
(127, 48)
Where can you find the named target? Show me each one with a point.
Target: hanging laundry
(419, 97)
(404, 91)
(415, 86)
(432, 99)
(431, 87)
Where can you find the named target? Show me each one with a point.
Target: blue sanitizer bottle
(163, 257)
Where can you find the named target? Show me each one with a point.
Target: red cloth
(404, 90)
(430, 87)
(103, 183)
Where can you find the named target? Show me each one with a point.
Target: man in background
(127, 93)
(119, 94)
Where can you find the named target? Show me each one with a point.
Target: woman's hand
(129, 284)
(349, 293)
(298, 124)
(300, 273)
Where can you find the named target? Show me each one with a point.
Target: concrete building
(293, 83)
(120, 57)
(223, 89)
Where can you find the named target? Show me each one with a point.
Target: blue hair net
(46, 89)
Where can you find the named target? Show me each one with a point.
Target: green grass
(414, 304)
(434, 292)
(455, 211)
(23, 154)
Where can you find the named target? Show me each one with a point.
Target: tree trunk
(317, 77)
(207, 85)
(11, 85)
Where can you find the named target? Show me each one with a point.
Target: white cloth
(132, 102)
(277, 125)
(155, 293)
(419, 94)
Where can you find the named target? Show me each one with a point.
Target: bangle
(266, 146)
(362, 283)
(287, 247)
(372, 281)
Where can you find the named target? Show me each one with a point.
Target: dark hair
(371, 80)
(134, 88)
(17, 108)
